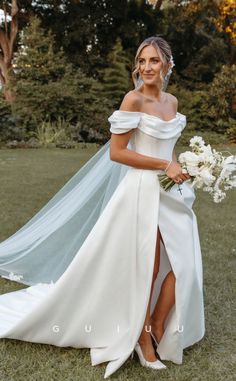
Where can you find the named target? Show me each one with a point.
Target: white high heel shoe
(157, 364)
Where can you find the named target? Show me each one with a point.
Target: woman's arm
(120, 153)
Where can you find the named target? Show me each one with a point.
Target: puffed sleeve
(123, 121)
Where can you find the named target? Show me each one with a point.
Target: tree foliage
(49, 88)
(222, 96)
(82, 65)
(116, 77)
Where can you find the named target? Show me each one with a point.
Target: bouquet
(208, 169)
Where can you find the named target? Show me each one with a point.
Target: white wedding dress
(97, 295)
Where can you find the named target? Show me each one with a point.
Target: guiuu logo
(56, 328)
(180, 329)
(88, 330)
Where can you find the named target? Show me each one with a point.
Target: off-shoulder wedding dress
(88, 255)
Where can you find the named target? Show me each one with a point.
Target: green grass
(29, 178)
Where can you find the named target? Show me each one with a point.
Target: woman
(123, 253)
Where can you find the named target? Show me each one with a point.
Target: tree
(116, 78)
(37, 69)
(225, 23)
(48, 88)
(86, 29)
(8, 34)
(222, 93)
(199, 49)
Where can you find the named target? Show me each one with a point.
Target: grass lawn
(29, 178)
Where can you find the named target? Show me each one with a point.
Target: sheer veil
(41, 250)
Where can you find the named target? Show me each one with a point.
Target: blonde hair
(164, 51)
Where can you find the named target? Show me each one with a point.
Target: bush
(231, 132)
(9, 128)
(221, 100)
(48, 88)
(52, 132)
(194, 104)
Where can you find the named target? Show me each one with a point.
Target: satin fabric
(100, 300)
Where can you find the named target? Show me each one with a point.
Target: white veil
(41, 250)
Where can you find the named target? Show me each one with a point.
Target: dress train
(100, 299)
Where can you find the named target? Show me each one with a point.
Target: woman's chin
(150, 81)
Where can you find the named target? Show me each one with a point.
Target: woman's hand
(175, 172)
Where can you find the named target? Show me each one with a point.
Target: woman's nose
(147, 66)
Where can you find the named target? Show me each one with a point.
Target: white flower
(190, 161)
(197, 141)
(198, 182)
(206, 176)
(218, 196)
(188, 157)
(172, 61)
(229, 165)
(193, 170)
(231, 183)
(206, 152)
(207, 158)
(209, 169)
(171, 66)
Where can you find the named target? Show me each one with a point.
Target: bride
(113, 262)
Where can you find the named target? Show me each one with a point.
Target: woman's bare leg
(164, 303)
(145, 340)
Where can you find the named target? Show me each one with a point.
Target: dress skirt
(101, 299)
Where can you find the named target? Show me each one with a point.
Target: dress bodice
(152, 136)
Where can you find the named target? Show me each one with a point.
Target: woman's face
(150, 65)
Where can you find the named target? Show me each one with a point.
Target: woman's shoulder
(171, 98)
(132, 101)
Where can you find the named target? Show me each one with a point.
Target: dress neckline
(152, 116)
(158, 117)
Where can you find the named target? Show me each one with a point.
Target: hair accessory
(170, 69)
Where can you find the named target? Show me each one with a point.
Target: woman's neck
(152, 91)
